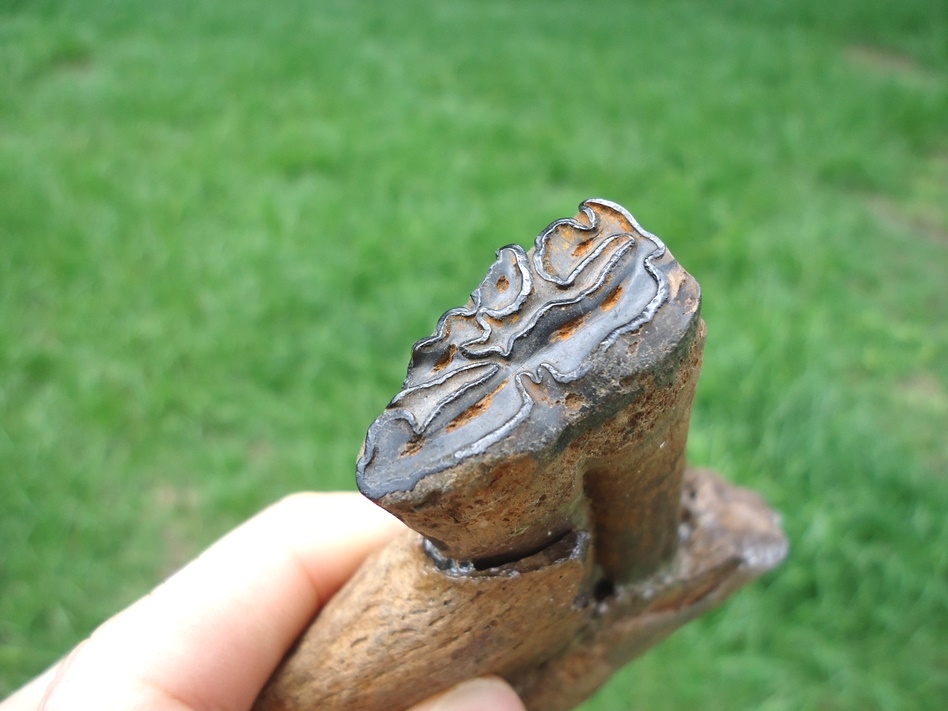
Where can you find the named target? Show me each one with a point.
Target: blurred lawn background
(222, 226)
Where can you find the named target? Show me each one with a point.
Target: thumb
(487, 694)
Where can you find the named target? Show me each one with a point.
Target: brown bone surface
(537, 449)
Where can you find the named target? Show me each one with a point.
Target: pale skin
(208, 638)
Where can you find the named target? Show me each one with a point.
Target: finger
(487, 694)
(212, 634)
(29, 697)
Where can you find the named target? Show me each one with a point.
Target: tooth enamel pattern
(529, 318)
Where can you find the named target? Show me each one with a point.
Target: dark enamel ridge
(530, 332)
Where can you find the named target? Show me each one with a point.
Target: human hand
(210, 636)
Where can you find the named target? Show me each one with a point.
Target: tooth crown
(543, 350)
(531, 326)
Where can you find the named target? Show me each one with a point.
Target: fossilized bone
(537, 449)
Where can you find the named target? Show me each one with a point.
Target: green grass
(223, 225)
